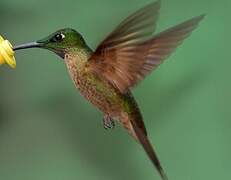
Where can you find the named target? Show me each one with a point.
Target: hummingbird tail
(143, 139)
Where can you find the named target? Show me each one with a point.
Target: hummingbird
(105, 76)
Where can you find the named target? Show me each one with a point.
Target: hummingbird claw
(108, 122)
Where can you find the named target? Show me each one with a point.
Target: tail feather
(143, 139)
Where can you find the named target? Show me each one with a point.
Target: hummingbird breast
(103, 95)
(100, 93)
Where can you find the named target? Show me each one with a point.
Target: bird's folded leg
(108, 122)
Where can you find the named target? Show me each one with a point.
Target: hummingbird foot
(108, 122)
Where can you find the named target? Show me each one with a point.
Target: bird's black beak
(28, 45)
(39, 44)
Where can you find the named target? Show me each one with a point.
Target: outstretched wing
(128, 54)
(133, 29)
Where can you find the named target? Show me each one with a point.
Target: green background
(49, 132)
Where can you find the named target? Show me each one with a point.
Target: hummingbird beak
(38, 44)
(27, 46)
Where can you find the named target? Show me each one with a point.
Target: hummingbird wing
(134, 29)
(128, 54)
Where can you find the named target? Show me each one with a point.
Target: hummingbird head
(58, 42)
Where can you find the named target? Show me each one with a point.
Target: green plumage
(98, 91)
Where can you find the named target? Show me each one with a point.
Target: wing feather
(129, 53)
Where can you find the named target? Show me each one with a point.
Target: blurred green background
(49, 132)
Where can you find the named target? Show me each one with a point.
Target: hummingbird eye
(58, 37)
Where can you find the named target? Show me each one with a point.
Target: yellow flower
(6, 53)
